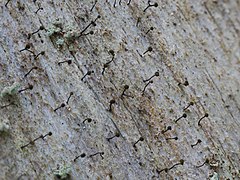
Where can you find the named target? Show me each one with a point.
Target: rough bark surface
(195, 49)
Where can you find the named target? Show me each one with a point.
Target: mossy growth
(63, 172)
(71, 48)
(60, 42)
(71, 33)
(10, 90)
(214, 176)
(61, 35)
(55, 28)
(4, 127)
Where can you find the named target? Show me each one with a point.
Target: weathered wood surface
(192, 41)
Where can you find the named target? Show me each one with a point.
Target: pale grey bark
(195, 49)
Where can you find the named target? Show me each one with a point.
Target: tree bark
(106, 90)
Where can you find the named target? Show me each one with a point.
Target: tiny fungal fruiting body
(185, 83)
(111, 103)
(190, 104)
(104, 67)
(151, 28)
(150, 82)
(93, 23)
(87, 74)
(30, 71)
(169, 128)
(61, 106)
(205, 162)
(155, 74)
(71, 93)
(107, 63)
(67, 61)
(88, 120)
(39, 29)
(181, 162)
(10, 104)
(41, 53)
(40, 137)
(205, 115)
(113, 55)
(94, 5)
(172, 138)
(40, 8)
(148, 50)
(100, 153)
(150, 5)
(7, 3)
(198, 142)
(126, 87)
(183, 116)
(117, 134)
(140, 139)
(81, 155)
(30, 87)
(27, 47)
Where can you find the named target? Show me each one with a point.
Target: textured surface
(193, 41)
